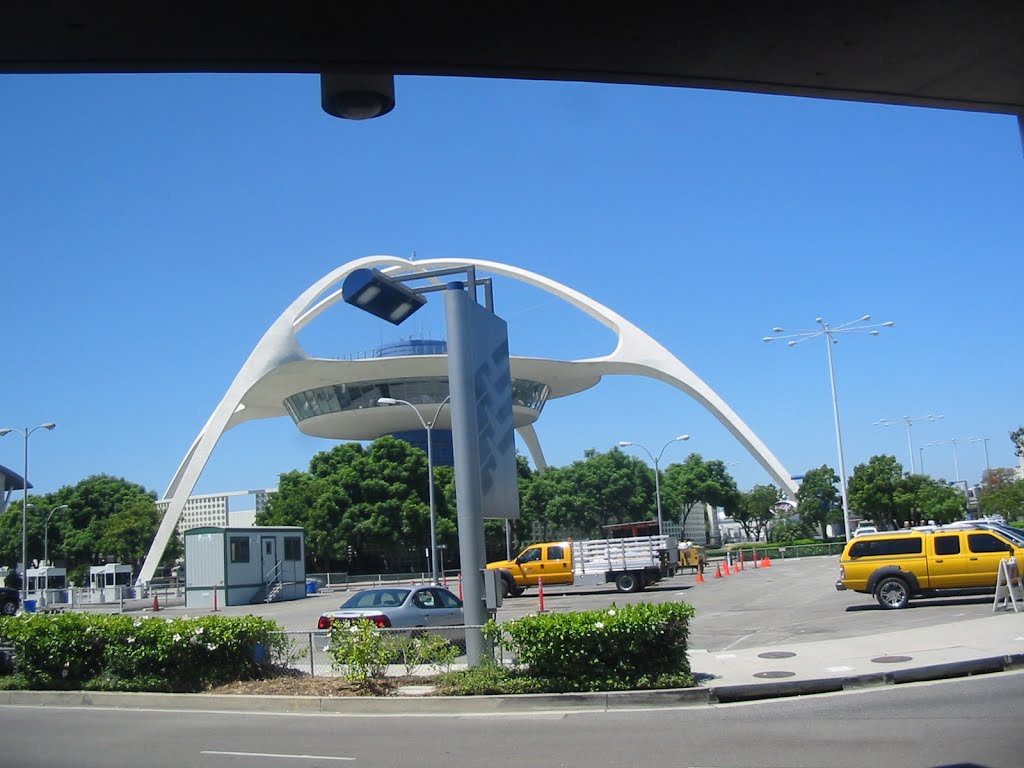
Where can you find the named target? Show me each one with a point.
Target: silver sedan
(400, 607)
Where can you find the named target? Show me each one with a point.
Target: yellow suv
(897, 565)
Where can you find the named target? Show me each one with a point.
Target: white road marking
(272, 755)
(839, 669)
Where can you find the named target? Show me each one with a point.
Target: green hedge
(635, 646)
(78, 651)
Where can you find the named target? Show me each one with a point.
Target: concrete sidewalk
(959, 649)
(962, 648)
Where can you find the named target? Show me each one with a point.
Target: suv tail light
(842, 571)
(380, 620)
(324, 623)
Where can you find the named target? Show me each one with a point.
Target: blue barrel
(311, 586)
(29, 606)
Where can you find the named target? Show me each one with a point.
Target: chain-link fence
(412, 651)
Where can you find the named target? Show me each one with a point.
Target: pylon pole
(540, 596)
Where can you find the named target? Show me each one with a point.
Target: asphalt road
(793, 601)
(969, 723)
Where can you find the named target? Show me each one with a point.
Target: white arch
(635, 353)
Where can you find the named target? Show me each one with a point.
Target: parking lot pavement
(794, 601)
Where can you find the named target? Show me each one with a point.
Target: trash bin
(29, 606)
(312, 586)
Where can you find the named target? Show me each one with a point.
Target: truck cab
(550, 561)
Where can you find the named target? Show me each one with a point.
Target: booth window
(239, 549)
(292, 548)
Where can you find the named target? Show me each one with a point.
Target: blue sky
(152, 227)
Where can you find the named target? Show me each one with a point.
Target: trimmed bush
(78, 651)
(636, 646)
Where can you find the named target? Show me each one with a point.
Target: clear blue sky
(152, 227)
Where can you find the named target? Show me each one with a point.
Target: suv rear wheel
(8, 606)
(892, 592)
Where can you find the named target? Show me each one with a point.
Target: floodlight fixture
(374, 292)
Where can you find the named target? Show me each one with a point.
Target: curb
(512, 704)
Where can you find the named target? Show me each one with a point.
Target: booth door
(268, 550)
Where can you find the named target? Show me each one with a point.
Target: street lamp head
(386, 401)
(790, 343)
(778, 330)
(624, 443)
(889, 324)
(681, 437)
(5, 431)
(768, 338)
(48, 425)
(819, 321)
(865, 318)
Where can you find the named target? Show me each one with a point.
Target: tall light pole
(985, 441)
(46, 534)
(830, 332)
(25, 433)
(921, 451)
(657, 472)
(956, 453)
(908, 420)
(428, 427)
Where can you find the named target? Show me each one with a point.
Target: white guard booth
(109, 582)
(241, 566)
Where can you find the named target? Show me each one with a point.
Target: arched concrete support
(529, 436)
(278, 346)
(635, 353)
(639, 354)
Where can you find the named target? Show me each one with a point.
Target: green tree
(874, 488)
(696, 481)
(756, 509)
(129, 531)
(818, 500)
(1002, 494)
(580, 499)
(1017, 438)
(921, 499)
(361, 507)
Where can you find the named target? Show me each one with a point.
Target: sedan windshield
(377, 598)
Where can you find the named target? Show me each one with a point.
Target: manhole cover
(775, 655)
(892, 659)
(779, 673)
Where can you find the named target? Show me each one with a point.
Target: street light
(985, 441)
(829, 332)
(657, 478)
(428, 426)
(46, 534)
(956, 453)
(908, 420)
(25, 433)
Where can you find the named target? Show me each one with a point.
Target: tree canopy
(697, 481)
(108, 519)
(1002, 494)
(818, 500)
(879, 491)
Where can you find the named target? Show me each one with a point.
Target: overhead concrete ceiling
(962, 54)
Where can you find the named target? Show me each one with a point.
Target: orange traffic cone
(718, 571)
(700, 574)
(156, 602)
(767, 561)
(725, 569)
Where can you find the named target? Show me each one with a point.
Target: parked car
(428, 607)
(862, 530)
(10, 601)
(924, 562)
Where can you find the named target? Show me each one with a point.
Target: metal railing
(310, 652)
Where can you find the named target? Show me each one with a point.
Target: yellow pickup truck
(894, 566)
(630, 563)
